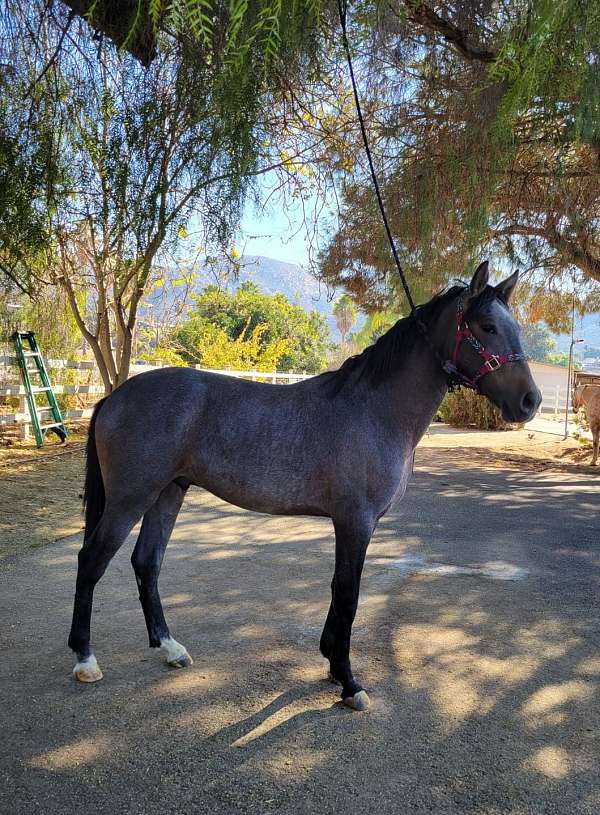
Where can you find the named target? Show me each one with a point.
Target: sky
(278, 230)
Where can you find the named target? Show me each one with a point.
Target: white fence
(554, 400)
(23, 420)
(554, 397)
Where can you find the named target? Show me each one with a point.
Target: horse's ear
(505, 289)
(480, 279)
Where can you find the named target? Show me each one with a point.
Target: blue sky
(274, 234)
(277, 228)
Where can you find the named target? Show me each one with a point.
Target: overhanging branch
(422, 14)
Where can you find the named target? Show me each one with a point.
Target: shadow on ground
(485, 691)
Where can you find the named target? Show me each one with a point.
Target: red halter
(491, 362)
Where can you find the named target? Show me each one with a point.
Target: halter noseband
(491, 362)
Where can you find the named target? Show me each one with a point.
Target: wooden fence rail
(23, 420)
(554, 397)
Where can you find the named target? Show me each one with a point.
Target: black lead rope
(454, 377)
(342, 8)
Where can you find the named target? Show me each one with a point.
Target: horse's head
(486, 348)
(578, 397)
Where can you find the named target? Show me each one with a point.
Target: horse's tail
(93, 492)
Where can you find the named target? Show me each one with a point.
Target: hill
(276, 276)
(272, 276)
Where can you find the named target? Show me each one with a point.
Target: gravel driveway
(477, 637)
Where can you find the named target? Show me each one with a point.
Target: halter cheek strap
(491, 362)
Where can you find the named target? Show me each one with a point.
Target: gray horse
(339, 445)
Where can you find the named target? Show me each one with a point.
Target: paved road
(484, 689)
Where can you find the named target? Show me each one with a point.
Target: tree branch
(422, 14)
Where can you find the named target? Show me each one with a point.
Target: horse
(588, 396)
(339, 445)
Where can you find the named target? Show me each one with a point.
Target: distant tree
(249, 328)
(344, 312)
(373, 327)
(537, 341)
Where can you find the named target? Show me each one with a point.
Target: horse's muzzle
(525, 409)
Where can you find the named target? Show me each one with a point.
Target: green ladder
(28, 350)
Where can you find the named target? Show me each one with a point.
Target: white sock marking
(89, 665)
(173, 650)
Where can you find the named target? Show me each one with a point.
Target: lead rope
(454, 378)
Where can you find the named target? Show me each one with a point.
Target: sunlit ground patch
(551, 761)
(81, 752)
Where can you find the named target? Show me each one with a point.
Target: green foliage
(344, 312)
(465, 408)
(375, 325)
(537, 342)
(552, 58)
(250, 328)
(250, 350)
(250, 46)
(50, 317)
(562, 359)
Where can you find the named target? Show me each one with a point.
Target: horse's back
(253, 444)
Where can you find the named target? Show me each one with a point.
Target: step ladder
(31, 363)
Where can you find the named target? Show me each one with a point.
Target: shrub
(465, 408)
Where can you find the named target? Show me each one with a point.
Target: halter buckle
(493, 363)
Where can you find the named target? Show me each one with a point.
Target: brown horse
(588, 396)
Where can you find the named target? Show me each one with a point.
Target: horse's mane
(377, 362)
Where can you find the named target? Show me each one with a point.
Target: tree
(537, 342)
(486, 131)
(103, 162)
(249, 329)
(115, 159)
(374, 326)
(344, 312)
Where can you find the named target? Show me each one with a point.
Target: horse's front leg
(352, 536)
(596, 441)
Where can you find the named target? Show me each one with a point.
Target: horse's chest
(389, 483)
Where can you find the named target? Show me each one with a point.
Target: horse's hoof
(176, 654)
(360, 701)
(183, 661)
(87, 670)
(332, 679)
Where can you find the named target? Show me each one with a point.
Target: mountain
(276, 276)
(270, 275)
(587, 328)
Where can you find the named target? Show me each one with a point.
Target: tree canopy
(119, 121)
(250, 329)
(485, 124)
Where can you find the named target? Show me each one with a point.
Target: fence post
(24, 428)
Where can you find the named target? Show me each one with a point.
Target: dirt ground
(476, 637)
(40, 495)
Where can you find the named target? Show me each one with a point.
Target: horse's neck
(408, 400)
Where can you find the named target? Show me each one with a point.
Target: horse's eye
(489, 328)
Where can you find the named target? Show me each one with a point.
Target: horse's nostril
(529, 401)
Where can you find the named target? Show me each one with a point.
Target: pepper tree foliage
(103, 161)
(483, 116)
(250, 329)
(485, 124)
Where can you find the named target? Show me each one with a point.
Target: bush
(465, 408)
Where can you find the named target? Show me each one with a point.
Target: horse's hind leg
(147, 559)
(596, 442)
(352, 537)
(95, 555)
